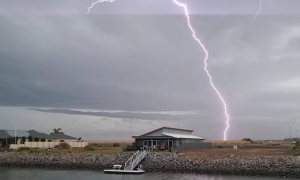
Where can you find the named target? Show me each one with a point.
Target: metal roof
(19, 133)
(183, 136)
(167, 128)
(3, 134)
(34, 134)
(61, 135)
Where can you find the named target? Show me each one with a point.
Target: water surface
(46, 174)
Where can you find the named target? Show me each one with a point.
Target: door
(170, 143)
(166, 144)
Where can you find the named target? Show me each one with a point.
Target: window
(180, 141)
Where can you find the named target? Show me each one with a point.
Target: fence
(46, 144)
(192, 146)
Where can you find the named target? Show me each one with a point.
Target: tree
(30, 139)
(23, 140)
(57, 130)
(43, 140)
(11, 140)
(36, 139)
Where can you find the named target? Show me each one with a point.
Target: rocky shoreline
(276, 166)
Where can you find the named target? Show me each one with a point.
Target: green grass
(101, 150)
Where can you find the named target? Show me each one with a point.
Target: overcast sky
(139, 55)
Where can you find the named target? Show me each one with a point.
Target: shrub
(23, 149)
(116, 145)
(43, 140)
(129, 148)
(89, 147)
(247, 139)
(30, 139)
(63, 145)
(36, 139)
(23, 140)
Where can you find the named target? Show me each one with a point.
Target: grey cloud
(54, 55)
(126, 115)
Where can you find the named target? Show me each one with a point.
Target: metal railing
(129, 161)
(137, 160)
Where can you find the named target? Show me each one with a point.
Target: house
(167, 138)
(8, 135)
(61, 137)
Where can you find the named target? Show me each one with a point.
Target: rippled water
(45, 174)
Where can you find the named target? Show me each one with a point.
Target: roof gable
(159, 131)
(61, 135)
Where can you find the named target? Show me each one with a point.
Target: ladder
(135, 159)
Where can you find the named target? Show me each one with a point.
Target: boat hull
(116, 171)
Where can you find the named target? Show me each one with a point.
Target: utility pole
(15, 134)
(291, 132)
(297, 136)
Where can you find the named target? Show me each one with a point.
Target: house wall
(53, 140)
(65, 140)
(46, 144)
(176, 142)
(183, 141)
(140, 142)
(192, 146)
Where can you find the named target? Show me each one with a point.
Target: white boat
(117, 170)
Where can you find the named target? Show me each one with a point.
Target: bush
(43, 140)
(247, 139)
(36, 139)
(63, 145)
(23, 149)
(30, 139)
(130, 148)
(89, 147)
(116, 145)
(23, 140)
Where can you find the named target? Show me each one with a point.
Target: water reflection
(44, 174)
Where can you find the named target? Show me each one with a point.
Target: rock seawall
(280, 166)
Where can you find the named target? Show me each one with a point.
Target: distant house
(61, 137)
(167, 138)
(9, 134)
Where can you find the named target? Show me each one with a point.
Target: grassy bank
(103, 148)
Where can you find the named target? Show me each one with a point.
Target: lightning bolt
(205, 63)
(99, 1)
(256, 15)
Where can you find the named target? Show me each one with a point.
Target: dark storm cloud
(54, 55)
(126, 115)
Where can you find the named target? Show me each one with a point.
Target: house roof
(183, 136)
(167, 128)
(4, 133)
(61, 135)
(34, 133)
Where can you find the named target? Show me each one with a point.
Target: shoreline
(268, 166)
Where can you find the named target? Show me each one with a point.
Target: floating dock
(130, 165)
